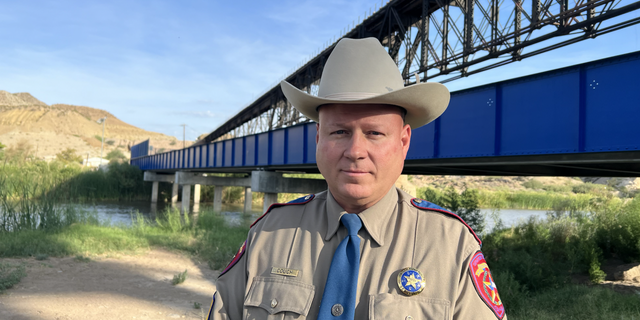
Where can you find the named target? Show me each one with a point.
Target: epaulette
(426, 205)
(301, 200)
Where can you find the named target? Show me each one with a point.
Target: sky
(159, 64)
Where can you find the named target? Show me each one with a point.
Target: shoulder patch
(301, 200)
(483, 282)
(235, 259)
(426, 205)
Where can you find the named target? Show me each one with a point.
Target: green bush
(587, 188)
(115, 154)
(465, 204)
(533, 184)
(10, 275)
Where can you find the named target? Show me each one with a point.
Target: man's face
(361, 151)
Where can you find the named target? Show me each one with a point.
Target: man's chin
(355, 192)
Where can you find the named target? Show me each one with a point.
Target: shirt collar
(374, 219)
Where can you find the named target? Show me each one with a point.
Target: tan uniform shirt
(395, 235)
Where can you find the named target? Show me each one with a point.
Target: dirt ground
(121, 287)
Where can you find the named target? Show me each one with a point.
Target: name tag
(285, 272)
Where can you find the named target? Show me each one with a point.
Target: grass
(208, 238)
(70, 182)
(10, 275)
(575, 302)
(179, 278)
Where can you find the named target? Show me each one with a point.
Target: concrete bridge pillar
(156, 179)
(272, 183)
(248, 199)
(269, 199)
(196, 194)
(174, 193)
(217, 198)
(186, 197)
(154, 192)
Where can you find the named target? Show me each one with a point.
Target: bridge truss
(447, 40)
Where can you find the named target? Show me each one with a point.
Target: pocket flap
(389, 306)
(276, 295)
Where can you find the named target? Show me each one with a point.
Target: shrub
(69, 155)
(179, 278)
(10, 275)
(115, 154)
(587, 188)
(533, 184)
(465, 204)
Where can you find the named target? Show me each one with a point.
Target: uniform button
(274, 303)
(337, 310)
(408, 318)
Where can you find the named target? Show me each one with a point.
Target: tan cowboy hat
(360, 71)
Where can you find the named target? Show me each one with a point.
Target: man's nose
(356, 148)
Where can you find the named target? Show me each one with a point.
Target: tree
(465, 205)
(69, 155)
(115, 154)
(2, 146)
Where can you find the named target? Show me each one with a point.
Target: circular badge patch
(483, 282)
(410, 281)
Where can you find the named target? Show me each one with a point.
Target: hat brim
(424, 102)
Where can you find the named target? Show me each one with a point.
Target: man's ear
(405, 139)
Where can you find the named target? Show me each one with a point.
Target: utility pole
(102, 120)
(183, 135)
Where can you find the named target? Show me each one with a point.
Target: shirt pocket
(278, 298)
(390, 306)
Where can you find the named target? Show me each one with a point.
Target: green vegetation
(69, 155)
(535, 262)
(465, 204)
(116, 154)
(23, 182)
(538, 260)
(82, 258)
(523, 199)
(10, 275)
(179, 278)
(98, 137)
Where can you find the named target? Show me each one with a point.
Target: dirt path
(123, 287)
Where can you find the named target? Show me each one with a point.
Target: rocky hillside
(49, 129)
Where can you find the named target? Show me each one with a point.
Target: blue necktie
(339, 299)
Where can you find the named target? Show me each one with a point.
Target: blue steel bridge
(582, 120)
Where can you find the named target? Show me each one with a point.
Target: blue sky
(158, 64)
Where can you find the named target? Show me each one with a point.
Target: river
(120, 212)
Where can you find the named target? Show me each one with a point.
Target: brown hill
(51, 129)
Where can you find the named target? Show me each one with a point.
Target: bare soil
(122, 287)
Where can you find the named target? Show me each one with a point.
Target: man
(363, 249)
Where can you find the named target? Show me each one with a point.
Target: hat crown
(359, 68)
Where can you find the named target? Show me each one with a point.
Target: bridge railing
(287, 146)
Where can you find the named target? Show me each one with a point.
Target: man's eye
(375, 133)
(340, 132)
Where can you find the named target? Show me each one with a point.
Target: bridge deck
(582, 120)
